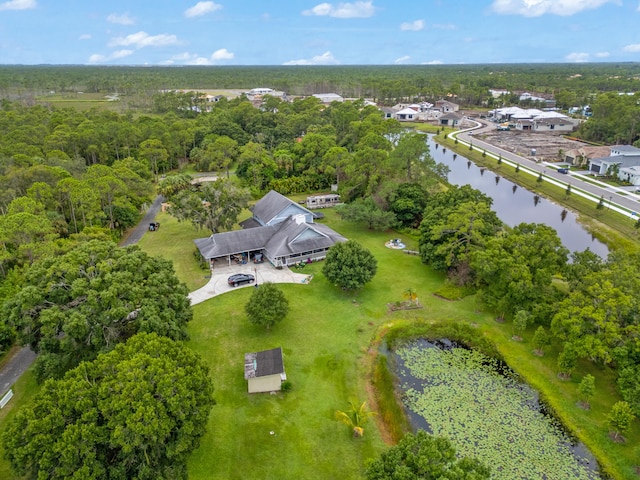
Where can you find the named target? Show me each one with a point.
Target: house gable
(274, 208)
(307, 234)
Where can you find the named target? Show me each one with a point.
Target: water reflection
(513, 205)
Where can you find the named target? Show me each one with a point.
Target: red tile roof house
(264, 371)
(280, 230)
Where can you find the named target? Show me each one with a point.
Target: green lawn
(174, 241)
(326, 338)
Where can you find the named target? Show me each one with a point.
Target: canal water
(514, 204)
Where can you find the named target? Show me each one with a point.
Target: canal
(514, 204)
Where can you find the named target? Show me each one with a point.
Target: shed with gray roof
(264, 371)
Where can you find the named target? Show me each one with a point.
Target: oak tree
(135, 412)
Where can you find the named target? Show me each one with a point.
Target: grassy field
(326, 339)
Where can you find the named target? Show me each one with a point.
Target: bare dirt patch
(547, 146)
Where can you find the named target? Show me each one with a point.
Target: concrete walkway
(264, 272)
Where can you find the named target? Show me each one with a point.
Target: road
(24, 357)
(615, 198)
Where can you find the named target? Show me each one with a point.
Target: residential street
(618, 199)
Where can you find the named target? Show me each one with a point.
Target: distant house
(630, 174)
(280, 231)
(260, 91)
(388, 112)
(620, 157)
(581, 156)
(451, 119)
(329, 97)
(556, 124)
(406, 115)
(445, 106)
(264, 371)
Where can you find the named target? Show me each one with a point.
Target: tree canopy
(135, 412)
(74, 306)
(349, 265)
(425, 457)
(267, 305)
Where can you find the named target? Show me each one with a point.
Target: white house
(406, 115)
(620, 157)
(260, 91)
(329, 97)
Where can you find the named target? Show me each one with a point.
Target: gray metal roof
(286, 238)
(234, 242)
(273, 203)
(260, 364)
(294, 237)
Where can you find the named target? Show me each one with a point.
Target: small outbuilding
(264, 370)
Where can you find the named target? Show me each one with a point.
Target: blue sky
(311, 32)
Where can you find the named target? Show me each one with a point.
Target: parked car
(240, 278)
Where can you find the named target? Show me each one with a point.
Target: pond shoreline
(394, 335)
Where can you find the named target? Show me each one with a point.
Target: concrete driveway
(264, 272)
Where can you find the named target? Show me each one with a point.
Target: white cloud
(602, 54)
(578, 57)
(123, 19)
(343, 10)
(433, 62)
(402, 59)
(326, 58)
(201, 8)
(413, 26)
(634, 47)
(19, 5)
(222, 54)
(121, 54)
(85, 36)
(98, 58)
(143, 39)
(200, 61)
(536, 8)
(187, 58)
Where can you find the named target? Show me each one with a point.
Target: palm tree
(355, 417)
(411, 294)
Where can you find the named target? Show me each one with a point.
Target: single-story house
(556, 124)
(406, 114)
(581, 156)
(329, 97)
(451, 119)
(280, 231)
(388, 112)
(620, 157)
(264, 371)
(445, 106)
(630, 174)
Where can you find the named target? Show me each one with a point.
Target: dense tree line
(588, 307)
(615, 120)
(469, 84)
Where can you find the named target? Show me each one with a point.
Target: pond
(514, 204)
(486, 412)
